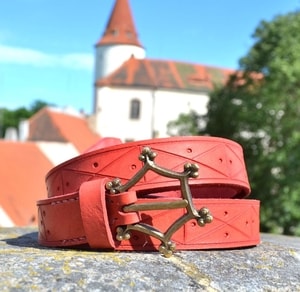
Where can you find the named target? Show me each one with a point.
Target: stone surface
(274, 265)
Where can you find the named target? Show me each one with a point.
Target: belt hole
(225, 213)
(67, 183)
(220, 160)
(48, 231)
(133, 166)
(95, 164)
(226, 234)
(189, 150)
(230, 161)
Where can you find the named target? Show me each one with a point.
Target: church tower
(135, 98)
(119, 41)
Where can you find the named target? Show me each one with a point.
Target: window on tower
(135, 108)
(129, 34)
(114, 32)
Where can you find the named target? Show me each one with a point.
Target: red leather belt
(183, 193)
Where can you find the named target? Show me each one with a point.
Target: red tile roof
(120, 28)
(56, 126)
(22, 171)
(24, 165)
(171, 75)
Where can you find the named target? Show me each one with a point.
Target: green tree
(259, 107)
(185, 125)
(11, 118)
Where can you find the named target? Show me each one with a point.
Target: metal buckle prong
(202, 216)
(155, 206)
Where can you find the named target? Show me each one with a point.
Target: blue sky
(47, 46)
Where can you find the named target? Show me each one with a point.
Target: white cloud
(24, 56)
(78, 61)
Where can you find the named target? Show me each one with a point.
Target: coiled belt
(173, 193)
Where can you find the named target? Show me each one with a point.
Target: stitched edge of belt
(63, 222)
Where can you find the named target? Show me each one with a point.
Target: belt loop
(94, 214)
(115, 207)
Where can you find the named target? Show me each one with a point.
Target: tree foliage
(186, 124)
(12, 118)
(259, 107)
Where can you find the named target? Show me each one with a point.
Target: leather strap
(222, 171)
(80, 210)
(63, 222)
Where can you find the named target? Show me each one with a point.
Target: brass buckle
(202, 216)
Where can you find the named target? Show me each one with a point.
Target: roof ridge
(38, 113)
(176, 74)
(131, 68)
(150, 72)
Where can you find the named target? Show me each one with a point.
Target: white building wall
(111, 57)
(113, 114)
(158, 107)
(5, 220)
(169, 105)
(57, 152)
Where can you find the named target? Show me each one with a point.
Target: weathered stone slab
(274, 265)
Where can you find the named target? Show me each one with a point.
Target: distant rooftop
(166, 74)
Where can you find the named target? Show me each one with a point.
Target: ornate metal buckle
(202, 216)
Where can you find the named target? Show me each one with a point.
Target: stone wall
(274, 265)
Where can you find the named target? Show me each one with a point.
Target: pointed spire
(120, 28)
